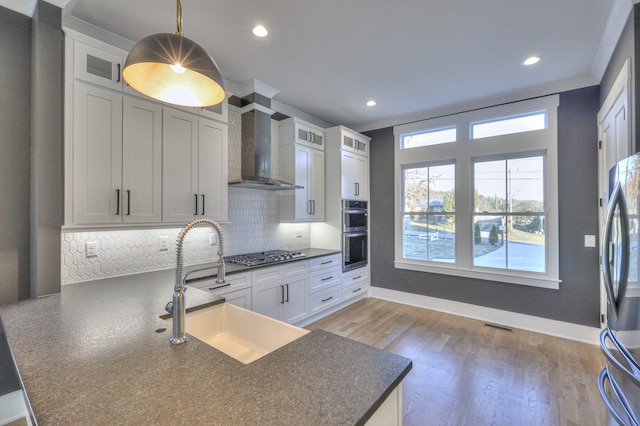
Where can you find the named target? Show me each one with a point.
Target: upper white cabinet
(116, 156)
(302, 162)
(99, 66)
(194, 167)
(355, 176)
(141, 161)
(353, 149)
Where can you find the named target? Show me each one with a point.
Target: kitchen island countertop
(92, 355)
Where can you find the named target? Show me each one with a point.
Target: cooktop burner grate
(263, 257)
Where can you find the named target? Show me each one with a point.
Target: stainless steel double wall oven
(354, 234)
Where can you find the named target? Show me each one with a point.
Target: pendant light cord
(179, 17)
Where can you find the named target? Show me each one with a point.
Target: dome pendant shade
(172, 68)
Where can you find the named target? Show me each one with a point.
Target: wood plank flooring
(467, 373)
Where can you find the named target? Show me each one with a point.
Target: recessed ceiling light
(531, 60)
(371, 103)
(260, 31)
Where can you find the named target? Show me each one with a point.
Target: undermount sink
(242, 334)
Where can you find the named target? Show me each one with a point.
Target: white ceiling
(414, 57)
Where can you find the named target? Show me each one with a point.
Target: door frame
(621, 88)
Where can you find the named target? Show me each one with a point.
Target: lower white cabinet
(280, 292)
(355, 283)
(237, 290)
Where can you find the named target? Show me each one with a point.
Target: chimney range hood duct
(256, 154)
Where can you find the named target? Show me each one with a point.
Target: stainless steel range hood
(256, 153)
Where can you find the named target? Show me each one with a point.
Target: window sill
(512, 278)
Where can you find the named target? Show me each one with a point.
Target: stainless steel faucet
(177, 308)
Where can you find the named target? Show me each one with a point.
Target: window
(509, 214)
(486, 210)
(429, 137)
(428, 219)
(509, 125)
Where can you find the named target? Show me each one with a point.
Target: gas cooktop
(263, 257)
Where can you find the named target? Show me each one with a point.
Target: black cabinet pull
(282, 294)
(195, 213)
(357, 290)
(117, 202)
(327, 262)
(355, 278)
(202, 204)
(287, 285)
(327, 279)
(128, 202)
(118, 76)
(326, 300)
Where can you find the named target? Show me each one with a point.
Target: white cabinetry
(354, 184)
(353, 149)
(101, 66)
(302, 162)
(280, 291)
(237, 291)
(355, 283)
(194, 167)
(324, 283)
(116, 156)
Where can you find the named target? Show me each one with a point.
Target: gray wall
(15, 125)
(578, 299)
(31, 141)
(46, 148)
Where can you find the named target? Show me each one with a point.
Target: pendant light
(172, 68)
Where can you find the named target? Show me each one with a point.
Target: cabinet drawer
(266, 275)
(354, 290)
(240, 297)
(354, 276)
(296, 268)
(325, 299)
(234, 282)
(324, 278)
(318, 263)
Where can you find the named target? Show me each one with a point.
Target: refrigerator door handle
(617, 199)
(604, 375)
(611, 358)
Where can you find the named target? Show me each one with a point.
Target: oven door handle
(355, 234)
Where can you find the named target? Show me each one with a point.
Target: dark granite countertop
(91, 355)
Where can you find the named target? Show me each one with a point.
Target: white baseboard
(579, 333)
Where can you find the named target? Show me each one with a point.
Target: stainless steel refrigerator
(619, 381)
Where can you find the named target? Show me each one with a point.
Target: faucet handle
(169, 307)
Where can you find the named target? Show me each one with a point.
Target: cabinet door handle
(327, 262)
(326, 300)
(313, 206)
(202, 204)
(117, 202)
(357, 290)
(327, 279)
(358, 277)
(282, 294)
(287, 286)
(195, 213)
(128, 202)
(308, 206)
(118, 76)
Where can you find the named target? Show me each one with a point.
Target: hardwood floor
(467, 373)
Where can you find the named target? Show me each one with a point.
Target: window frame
(464, 151)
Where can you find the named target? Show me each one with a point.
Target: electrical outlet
(92, 248)
(163, 242)
(213, 239)
(589, 240)
(298, 232)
